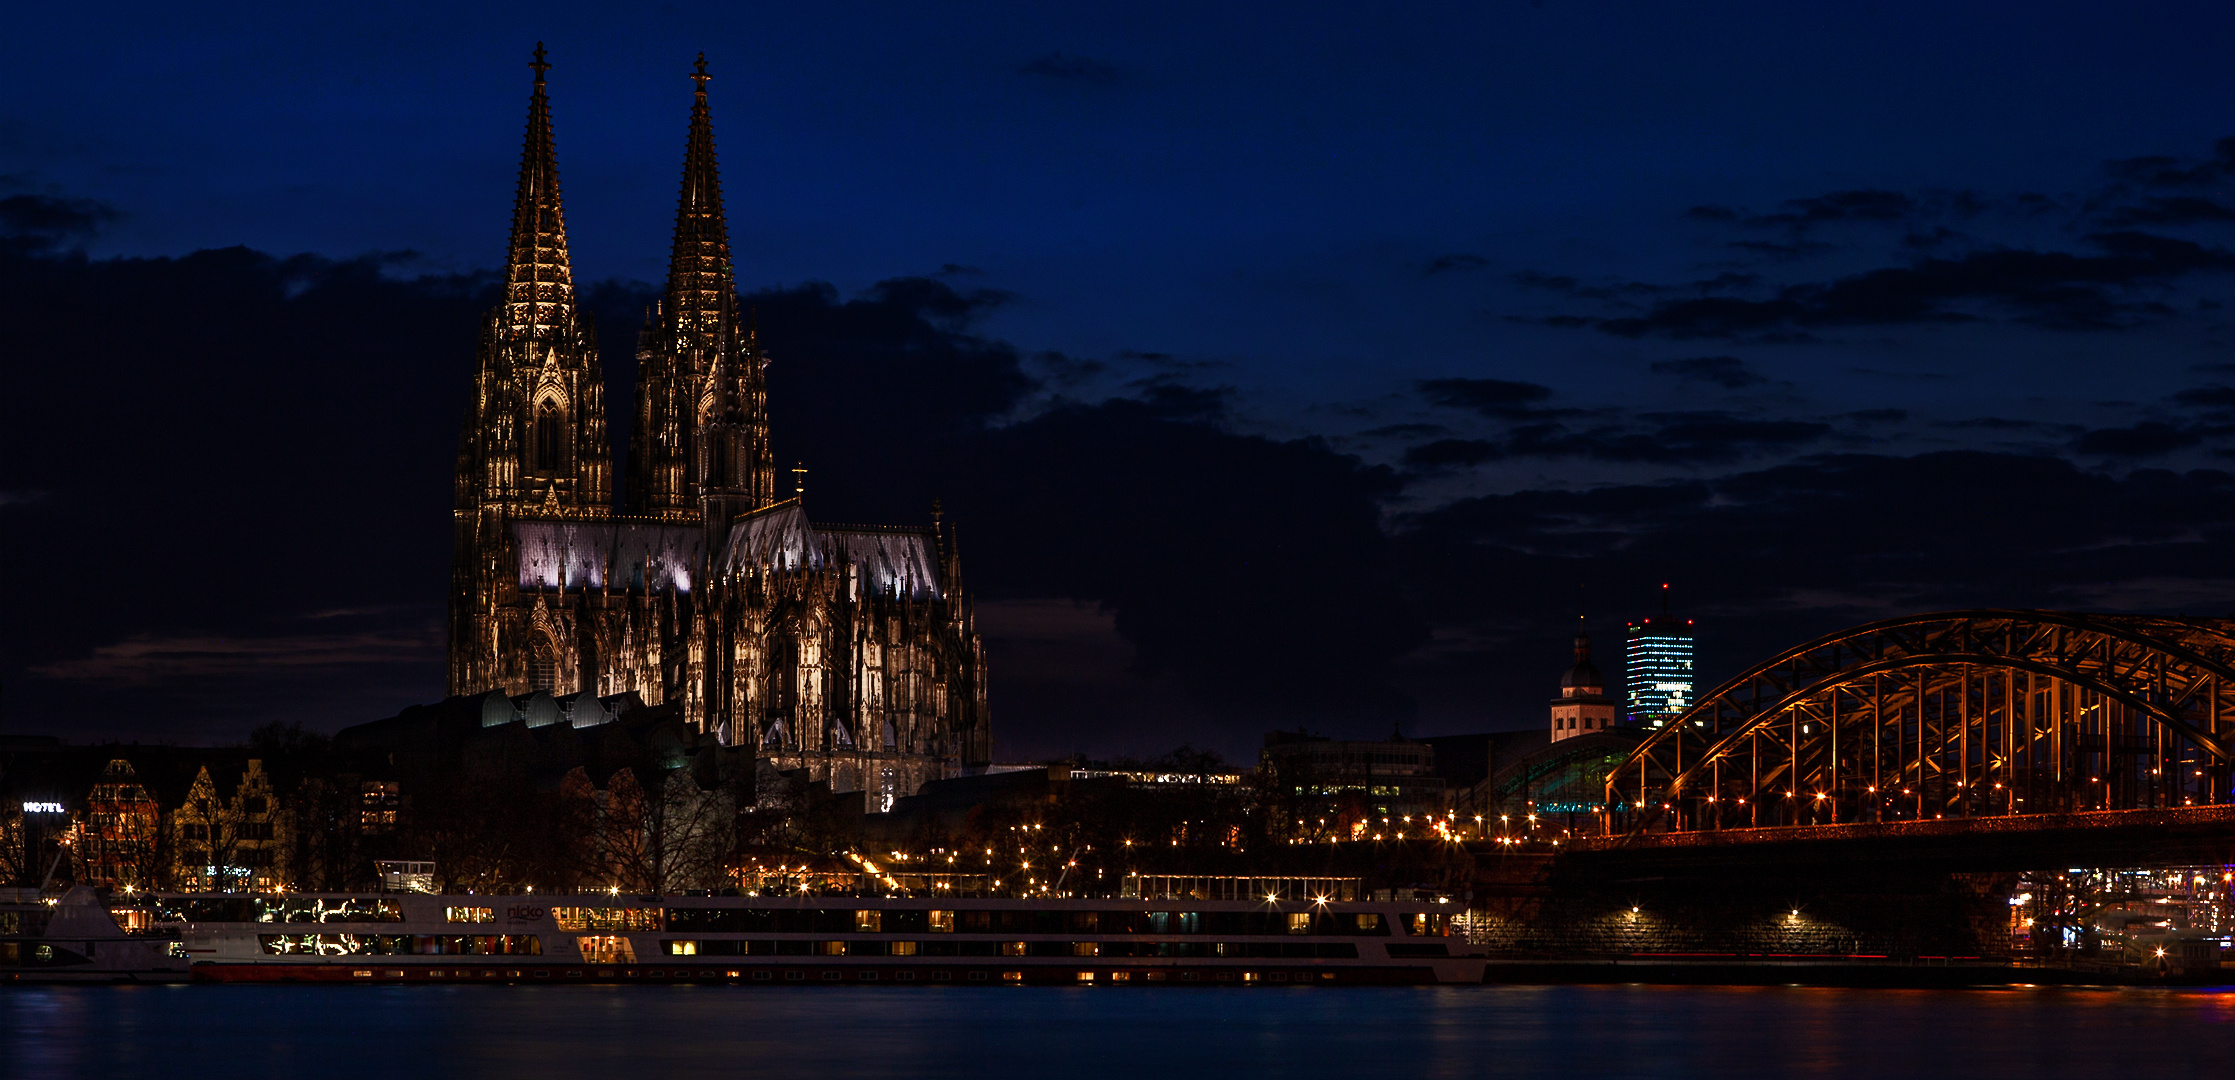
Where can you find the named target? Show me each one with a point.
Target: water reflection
(559, 1033)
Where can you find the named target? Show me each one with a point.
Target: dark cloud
(1253, 571)
(1709, 436)
(1062, 67)
(1865, 205)
(2000, 423)
(1455, 261)
(283, 554)
(1067, 371)
(1769, 558)
(1689, 438)
(47, 219)
(2054, 289)
(278, 423)
(1490, 397)
(1868, 205)
(1876, 416)
(853, 383)
(2170, 210)
(1783, 249)
(2165, 171)
(1629, 292)
(1172, 400)
(1728, 372)
(1453, 453)
(1406, 431)
(1939, 236)
(2150, 438)
(2207, 397)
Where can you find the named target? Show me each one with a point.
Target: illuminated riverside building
(1353, 785)
(1658, 670)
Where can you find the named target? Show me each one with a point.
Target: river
(622, 1033)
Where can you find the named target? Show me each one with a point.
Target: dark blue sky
(1612, 291)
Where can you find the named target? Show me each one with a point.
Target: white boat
(816, 940)
(74, 938)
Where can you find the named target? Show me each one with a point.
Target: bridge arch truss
(1959, 714)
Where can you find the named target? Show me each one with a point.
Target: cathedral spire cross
(701, 287)
(539, 277)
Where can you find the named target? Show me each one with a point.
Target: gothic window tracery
(547, 427)
(543, 664)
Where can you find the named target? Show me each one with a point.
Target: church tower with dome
(1582, 706)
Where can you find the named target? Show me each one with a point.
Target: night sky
(1279, 365)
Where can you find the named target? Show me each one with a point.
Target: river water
(621, 1033)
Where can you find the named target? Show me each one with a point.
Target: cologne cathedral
(847, 651)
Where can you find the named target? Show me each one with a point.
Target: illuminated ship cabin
(818, 940)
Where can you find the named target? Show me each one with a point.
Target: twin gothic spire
(701, 287)
(700, 441)
(538, 276)
(701, 291)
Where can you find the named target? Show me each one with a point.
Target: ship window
(1012, 948)
(830, 948)
(1086, 948)
(606, 949)
(401, 944)
(716, 920)
(903, 948)
(1299, 922)
(682, 948)
(868, 922)
(469, 914)
(606, 918)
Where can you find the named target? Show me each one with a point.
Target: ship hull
(1459, 970)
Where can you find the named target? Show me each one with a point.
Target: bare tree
(680, 837)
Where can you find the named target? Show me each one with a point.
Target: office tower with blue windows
(1658, 670)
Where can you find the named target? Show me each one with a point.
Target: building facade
(1658, 669)
(1350, 788)
(848, 651)
(1583, 705)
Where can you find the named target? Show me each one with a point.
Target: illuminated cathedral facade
(848, 651)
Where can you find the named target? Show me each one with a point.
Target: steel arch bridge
(1960, 714)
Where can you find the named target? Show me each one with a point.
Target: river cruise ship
(76, 938)
(812, 940)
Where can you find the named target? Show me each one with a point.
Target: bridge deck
(2183, 818)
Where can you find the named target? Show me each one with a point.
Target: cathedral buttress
(535, 443)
